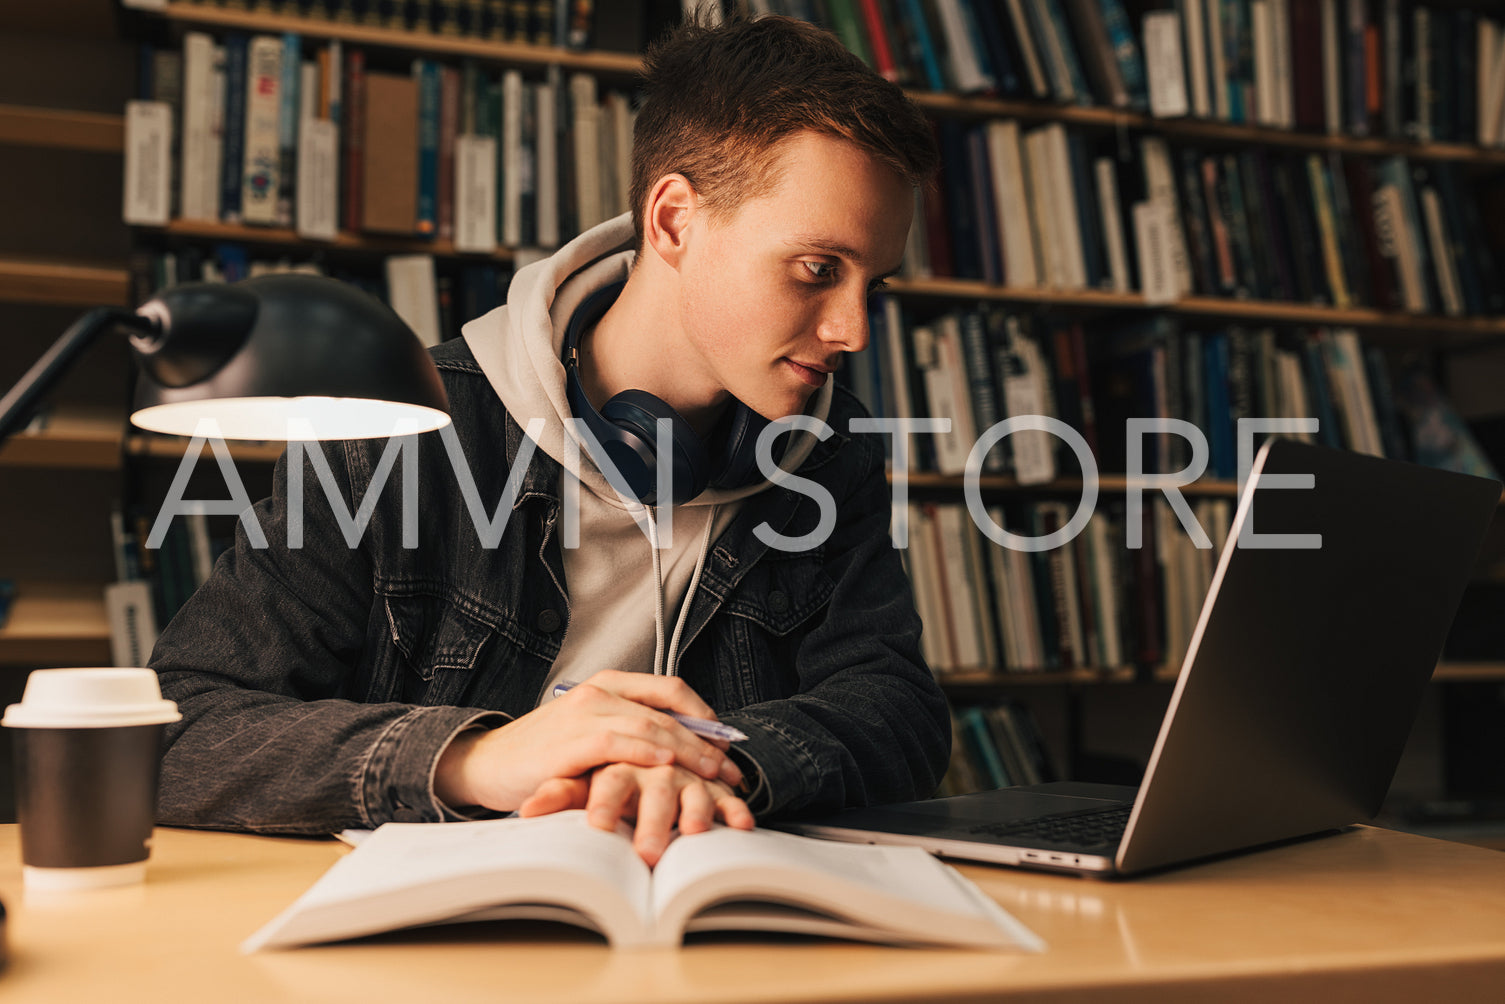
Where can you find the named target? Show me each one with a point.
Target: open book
(560, 868)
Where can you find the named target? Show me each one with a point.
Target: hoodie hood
(519, 345)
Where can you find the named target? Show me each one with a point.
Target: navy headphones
(627, 426)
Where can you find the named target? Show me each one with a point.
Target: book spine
(1111, 212)
(287, 127)
(1164, 63)
(232, 158)
(1126, 52)
(429, 99)
(1011, 204)
(982, 390)
(353, 133)
(260, 173)
(877, 32)
(198, 198)
(1202, 254)
(983, 208)
(1332, 258)
(449, 130)
(846, 24)
(546, 155)
(1029, 52)
(1088, 213)
(148, 162)
(968, 74)
(1097, 55)
(925, 44)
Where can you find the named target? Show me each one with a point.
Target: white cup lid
(90, 698)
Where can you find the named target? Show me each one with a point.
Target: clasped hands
(607, 747)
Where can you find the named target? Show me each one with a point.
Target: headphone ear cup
(739, 459)
(636, 413)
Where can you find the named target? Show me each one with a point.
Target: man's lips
(813, 374)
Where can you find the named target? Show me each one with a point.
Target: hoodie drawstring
(661, 666)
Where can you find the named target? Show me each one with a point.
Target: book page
(405, 874)
(900, 891)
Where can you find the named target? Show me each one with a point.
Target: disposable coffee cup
(88, 746)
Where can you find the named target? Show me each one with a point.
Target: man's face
(777, 292)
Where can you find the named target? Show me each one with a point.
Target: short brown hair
(720, 98)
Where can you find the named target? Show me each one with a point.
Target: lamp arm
(19, 403)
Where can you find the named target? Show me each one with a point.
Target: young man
(334, 686)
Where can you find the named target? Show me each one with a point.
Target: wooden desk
(1364, 915)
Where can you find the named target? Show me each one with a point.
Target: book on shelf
(1427, 71)
(274, 132)
(389, 183)
(1049, 207)
(558, 868)
(148, 159)
(412, 291)
(995, 746)
(132, 621)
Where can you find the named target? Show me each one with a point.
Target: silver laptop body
(1299, 688)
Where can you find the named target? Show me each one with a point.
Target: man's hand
(657, 798)
(613, 718)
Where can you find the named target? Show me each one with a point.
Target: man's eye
(822, 270)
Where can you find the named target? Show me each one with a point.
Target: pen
(699, 726)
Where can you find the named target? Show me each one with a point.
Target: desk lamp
(254, 355)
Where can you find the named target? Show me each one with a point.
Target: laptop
(1299, 688)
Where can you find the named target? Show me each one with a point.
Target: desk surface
(1368, 913)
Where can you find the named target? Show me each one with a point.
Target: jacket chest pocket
(771, 609)
(781, 591)
(441, 643)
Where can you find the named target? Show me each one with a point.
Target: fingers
(627, 729)
(556, 795)
(667, 693)
(657, 799)
(697, 808)
(650, 742)
(658, 810)
(734, 812)
(613, 795)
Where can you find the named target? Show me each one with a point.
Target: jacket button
(548, 621)
(778, 602)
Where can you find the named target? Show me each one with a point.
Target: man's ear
(672, 204)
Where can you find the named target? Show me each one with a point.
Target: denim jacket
(319, 685)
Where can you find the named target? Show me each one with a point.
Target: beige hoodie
(622, 590)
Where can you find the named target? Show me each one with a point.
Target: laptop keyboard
(1085, 828)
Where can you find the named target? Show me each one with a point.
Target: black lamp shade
(286, 356)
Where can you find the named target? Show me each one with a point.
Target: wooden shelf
(1227, 308)
(66, 283)
(56, 623)
(963, 683)
(58, 129)
(345, 242)
(1107, 483)
(99, 440)
(521, 53)
(75, 440)
(1199, 130)
(144, 444)
(977, 681)
(1084, 116)
(1469, 672)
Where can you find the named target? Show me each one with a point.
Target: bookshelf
(63, 251)
(56, 623)
(344, 242)
(928, 296)
(61, 129)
